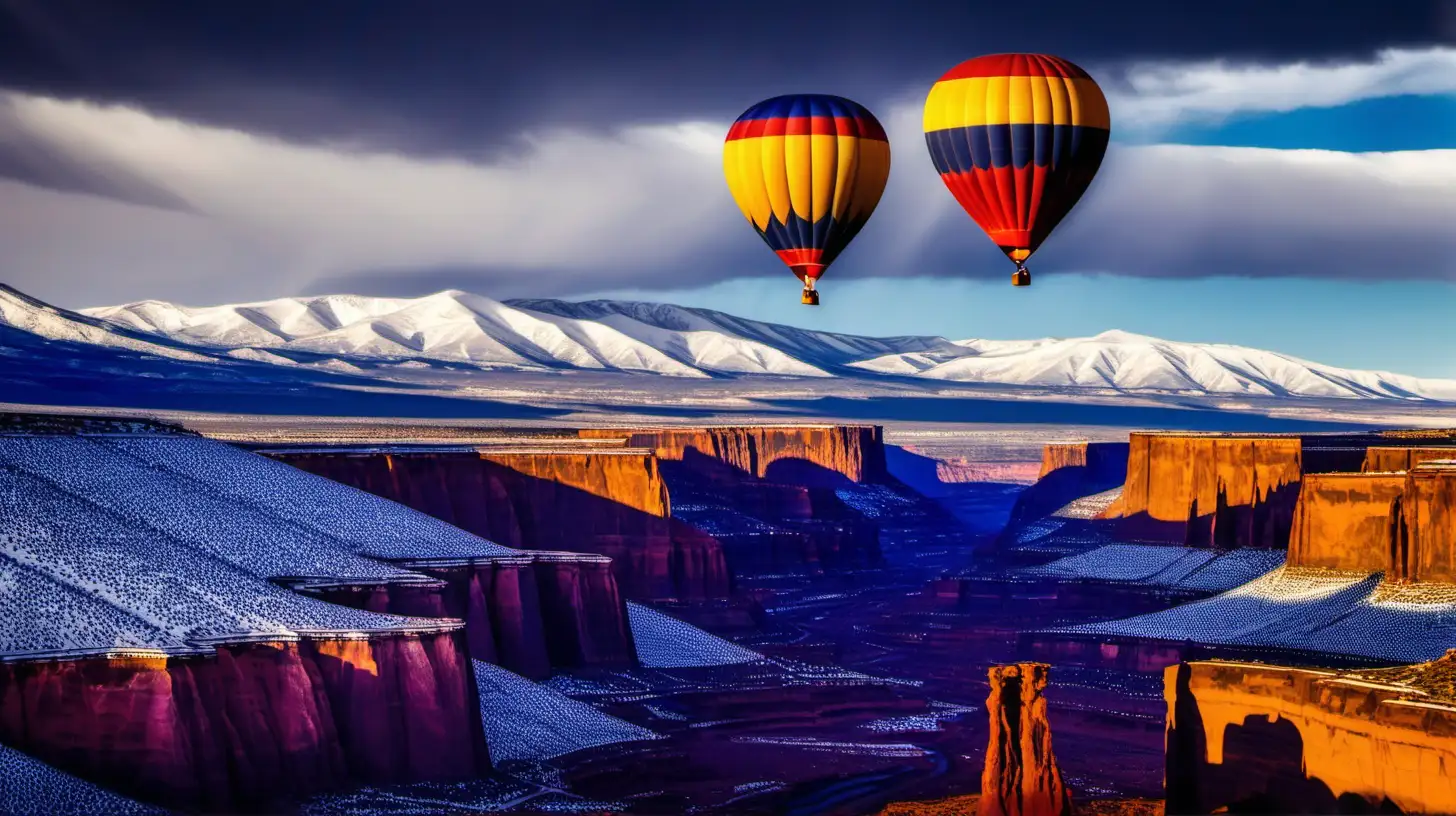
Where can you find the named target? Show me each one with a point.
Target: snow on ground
(1162, 566)
(665, 642)
(151, 498)
(29, 787)
(1311, 610)
(527, 721)
(371, 525)
(82, 577)
(1089, 507)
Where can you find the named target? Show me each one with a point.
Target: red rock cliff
(611, 503)
(1208, 490)
(1381, 459)
(1021, 777)
(1282, 740)
(1425, 538)
(1344, 521)
(812, 456)
(530, 613)
(255, 723)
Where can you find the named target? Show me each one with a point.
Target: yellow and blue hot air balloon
(1017, 138)
(807, 170)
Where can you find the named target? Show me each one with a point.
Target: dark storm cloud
(465, 76)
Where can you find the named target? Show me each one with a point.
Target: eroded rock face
(529, 614)
(1424, 539)
(253, 724)
(1271, 739)
(812, 456)
(1382, 459)
(608, 503)
(1210, 491)
(1021, 777)
(1344, 521)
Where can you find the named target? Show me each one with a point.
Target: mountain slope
(454, 328)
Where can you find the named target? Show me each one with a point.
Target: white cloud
(1156, 95)
(575, 211)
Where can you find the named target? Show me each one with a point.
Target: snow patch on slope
(527, 721)
(1310, 610)
(29, 787)
(664, 642)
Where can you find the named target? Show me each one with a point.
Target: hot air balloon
(807, 170)
(1017, 138)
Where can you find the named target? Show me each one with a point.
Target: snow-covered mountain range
(460, 330)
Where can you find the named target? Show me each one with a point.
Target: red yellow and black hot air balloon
(1017, 138)
(807, 170)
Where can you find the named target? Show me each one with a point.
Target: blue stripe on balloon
(958, 150)
(805, 105)
(827, 234)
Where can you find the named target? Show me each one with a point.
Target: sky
(1282, 175)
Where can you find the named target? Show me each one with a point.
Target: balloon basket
(1021, 277)
(810, 297)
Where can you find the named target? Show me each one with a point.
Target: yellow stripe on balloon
(975, 101)
(825, 166)
(775, 176)
(743, 167)
(799, 169)
(870, 178)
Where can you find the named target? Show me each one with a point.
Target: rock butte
(1021, 777)
(1225, 491)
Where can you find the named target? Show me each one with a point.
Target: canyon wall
(531, 614)
(253, 724)
(1070, 471)
(1344, 521)
(1425, 534)
(611, 503)
(1210, 491)
(811, 455)
(1384, 459)
(1281, 740)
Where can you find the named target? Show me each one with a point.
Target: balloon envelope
(807, 170)
(1017, 138)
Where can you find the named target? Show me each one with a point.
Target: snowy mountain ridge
(462, 330)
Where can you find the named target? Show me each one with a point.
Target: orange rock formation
(1282, 740)
(1344, 521)
(1021, 777)
(810, 455)
(1382, 459)
(1210, 490)
(1424, 547)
